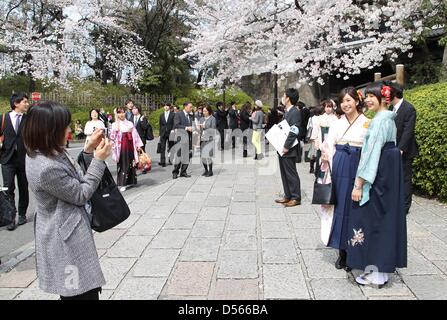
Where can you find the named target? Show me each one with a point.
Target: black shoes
(185, 175)
(341, 261)
(162, 164)
(12, 226)
(174, 176)
(22, 220)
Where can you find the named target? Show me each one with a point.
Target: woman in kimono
(341, 153)
(125, 150)
(378, 231)
(208, 131)
(320, 130)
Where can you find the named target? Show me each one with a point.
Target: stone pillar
(400, 77)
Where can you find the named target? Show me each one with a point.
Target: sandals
(364, 281)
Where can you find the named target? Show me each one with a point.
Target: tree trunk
(444, 58)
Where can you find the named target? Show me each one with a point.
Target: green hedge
(430, 168)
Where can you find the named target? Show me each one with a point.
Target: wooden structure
(398, 77)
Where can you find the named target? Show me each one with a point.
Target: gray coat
(258, 120)
(208, 124)
(66, 257)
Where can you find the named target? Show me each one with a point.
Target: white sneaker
(122, 189)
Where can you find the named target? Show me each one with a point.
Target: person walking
(340, 158)
(142, 125)
(129, 106)
(13, 154)
(93, 124)
(406, 138)
(244, 126)
(208, 132)
(287, 162)
(257, 120)
(127, 143)
(67, 262)
(183, 125)
(166, 124)
(377, 224)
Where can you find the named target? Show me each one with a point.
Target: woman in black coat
(245, 124)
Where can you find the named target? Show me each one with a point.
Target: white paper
(277, 136)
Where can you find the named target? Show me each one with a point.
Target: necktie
(16, 128)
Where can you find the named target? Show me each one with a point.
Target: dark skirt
(378, 229)
(127, 174)
(344, 168)
(207, 151)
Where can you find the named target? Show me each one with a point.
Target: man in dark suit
(183, 125)
(406, 139)
(287, 163)
(233, 122)
(13, 154)
(166, 125)
(222, 123)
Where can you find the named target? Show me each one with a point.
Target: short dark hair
(138, 107)
(232, 103)
(219, 104)
(167, 104)
(209, 108)
(90, 113)
(293, 95)
(45, 127)
(17, 98)
(127, 101)
(186, 104)
(397, 91)
(375, 89)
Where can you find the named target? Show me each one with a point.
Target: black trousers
(182, 167)
(407, 166)
(290, 179)
(163, 142)
(89, 295)
(222, 138)
(9, 172)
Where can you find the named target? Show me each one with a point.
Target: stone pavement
(224, 238)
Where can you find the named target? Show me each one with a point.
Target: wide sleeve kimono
(355, 136)
(118, 128)
(381, 130)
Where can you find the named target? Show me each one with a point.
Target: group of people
(369, 163)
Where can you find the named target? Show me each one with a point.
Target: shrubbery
(430, 167)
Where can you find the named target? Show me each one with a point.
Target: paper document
(277, 136)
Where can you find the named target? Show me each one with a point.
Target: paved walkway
(225, 238)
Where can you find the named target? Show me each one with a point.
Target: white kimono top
(324, 120)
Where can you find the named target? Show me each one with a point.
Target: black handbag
(159, 147)
(149, 133)
(324, 194)
(109, 208)
(7, 210)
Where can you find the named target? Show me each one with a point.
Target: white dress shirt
(13, 116)
(397, 106)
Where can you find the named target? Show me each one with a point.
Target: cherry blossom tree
(60, 40)
(316, 38)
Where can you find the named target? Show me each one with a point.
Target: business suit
(12, 160)
(141, 126)
(181, 121)
(166, 127)
(287, 163)
(406, 141)
(222, 125)
(233, 124)
(65, 247)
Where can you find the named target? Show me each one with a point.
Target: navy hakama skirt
(378, 229)
(344, 168)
